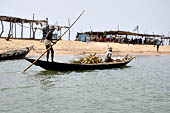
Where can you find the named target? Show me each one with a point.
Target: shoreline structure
(82, 48)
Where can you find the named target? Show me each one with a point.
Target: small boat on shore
(15, 54)
(57, 66)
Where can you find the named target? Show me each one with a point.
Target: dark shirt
(45, 30)
(49, 35)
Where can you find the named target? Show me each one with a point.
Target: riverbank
(80, 48)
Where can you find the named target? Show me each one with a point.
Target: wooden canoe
(57, 66)
(15, 54)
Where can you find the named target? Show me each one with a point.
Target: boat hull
(56, 66)
(15, 54)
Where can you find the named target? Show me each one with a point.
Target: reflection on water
(143, 86)
(49, 73)
(124, 67)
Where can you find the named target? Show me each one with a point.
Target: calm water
(142, 87)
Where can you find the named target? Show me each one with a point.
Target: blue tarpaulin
(83, 37)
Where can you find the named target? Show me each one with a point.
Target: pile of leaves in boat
(122, 59)
(91, 59)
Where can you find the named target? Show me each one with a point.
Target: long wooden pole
(33, 32)
(30, 30)
(9, 34)
(22, 30)
(12, 31)
(15, 31)
(69, 30)
(2, 28)
(54, 43)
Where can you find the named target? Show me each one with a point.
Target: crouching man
(108, 56)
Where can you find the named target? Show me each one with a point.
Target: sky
(152, 16)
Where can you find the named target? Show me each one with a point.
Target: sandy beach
(80, 48)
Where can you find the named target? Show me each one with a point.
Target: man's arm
(47, 36)
(54, 42)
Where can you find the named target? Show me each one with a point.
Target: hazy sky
(150, 15)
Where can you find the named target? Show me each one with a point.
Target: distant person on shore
(158, 43)
(108, 56)
(48, 42)
(87, 39)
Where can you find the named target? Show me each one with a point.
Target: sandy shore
(79, 48)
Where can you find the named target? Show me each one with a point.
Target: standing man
(158, 43)
(48, 42)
